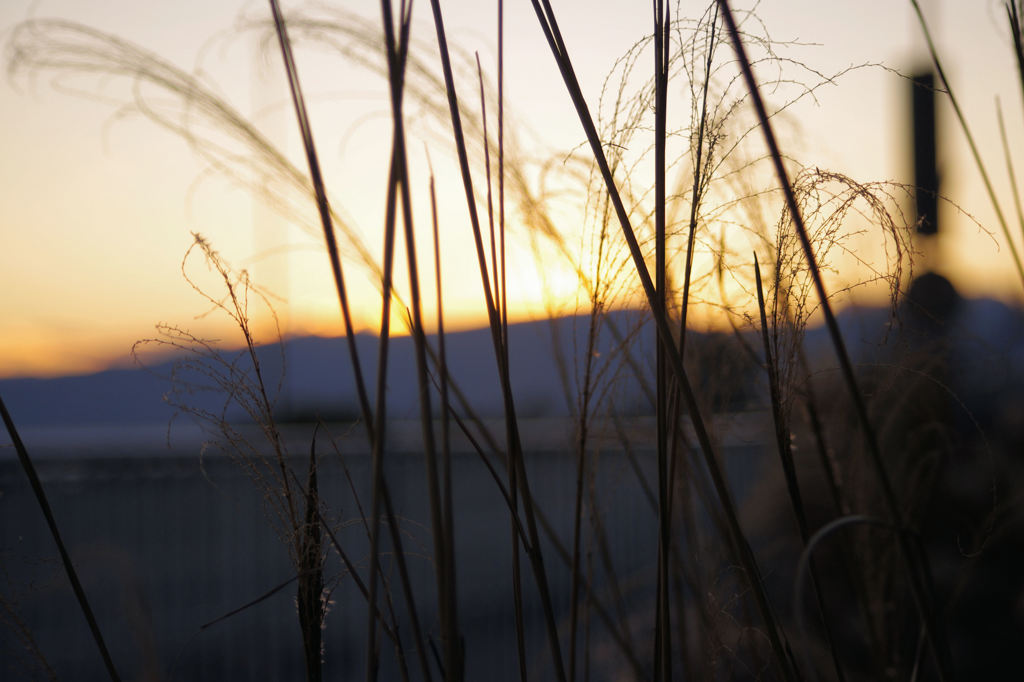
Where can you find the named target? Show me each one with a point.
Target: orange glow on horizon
(99, 206)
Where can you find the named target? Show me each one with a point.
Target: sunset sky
(99, 202)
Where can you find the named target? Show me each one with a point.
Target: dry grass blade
(497, 282)
(443, 542)
(662, 625)
(806, 562)
(782, 433)
(51, 522)
(389, 629)
(377, 430)
(249, 604)
(840, 505)
(616, 628)
(311, 573)
(692, 603)
(914, 570)
(446, 448)
(501, 163)
(699, 179)
(517, 470)
(1009, 167)
(782, 439)
(397, 51)
(545, 16)
(581, 451)
(516, 530)
(380, 490)
(321, 201)
(989, 189)
(1017, 34)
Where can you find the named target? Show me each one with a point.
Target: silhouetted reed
(674, 192)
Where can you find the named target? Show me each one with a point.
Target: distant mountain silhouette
(985, 337)
(319, 377)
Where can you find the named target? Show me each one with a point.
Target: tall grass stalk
(1009, 167)
(519, 483)
(662, 627)
(782, 430)
(615, 627)
(515, 527)
(914, 569)
(840, 506)
(501, 319)
(962, 120)
(446, 448)
(805, 564)
(320, 194)
(577, 519)
(692, 613)
(1013, 12)
(398, 187)
(785, 450)
(374, 426)
(310, 566)
(443, 543)
(701, 172)
(549, 25)
(51, 522)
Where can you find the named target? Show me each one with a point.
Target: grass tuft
(673, 191)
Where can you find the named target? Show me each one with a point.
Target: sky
(100, 202)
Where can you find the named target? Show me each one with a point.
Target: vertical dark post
(926, 176)
(931, 296)
(929, 307)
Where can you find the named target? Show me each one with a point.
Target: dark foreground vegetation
(881, 538)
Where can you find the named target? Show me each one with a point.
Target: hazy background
(99, 203)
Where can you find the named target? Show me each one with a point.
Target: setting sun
(108, 171)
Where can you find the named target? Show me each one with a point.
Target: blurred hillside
(983, 342)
